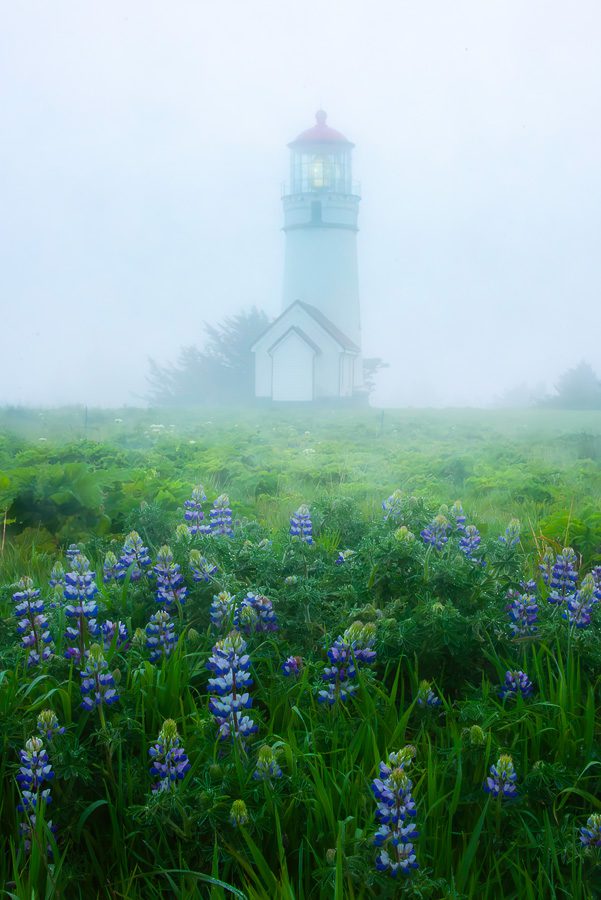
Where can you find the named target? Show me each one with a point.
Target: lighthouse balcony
(349, 189)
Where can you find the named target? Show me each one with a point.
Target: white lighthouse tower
(313, 350)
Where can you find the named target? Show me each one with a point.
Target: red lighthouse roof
(320, 133)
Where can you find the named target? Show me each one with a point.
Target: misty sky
(144, 146)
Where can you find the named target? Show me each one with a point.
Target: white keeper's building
(312, 352)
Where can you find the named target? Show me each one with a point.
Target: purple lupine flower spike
(80, 591)
(193, 512)
(201, 568)
(523, 610)
(581, 603)
(501, 783)
(97, 682)
(170, 581)
(564, 576)
(395, 812)
(134, 558)
(293, 666)
(48, 725)
(32, 623)
(169, 760)
(160, 636)
(436, 534)
(230, 681)
(511, 536)
(221, 517)
(516, 684)
(301, 525)
(590, 834)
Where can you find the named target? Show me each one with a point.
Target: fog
(144, 147)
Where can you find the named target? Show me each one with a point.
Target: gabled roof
(323, 322)
(301, 334)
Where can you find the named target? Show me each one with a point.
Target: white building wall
(292, 369)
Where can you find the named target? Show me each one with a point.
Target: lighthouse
(312, 352)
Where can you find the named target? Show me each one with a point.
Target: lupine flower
(238, 813)
(523, 610)
(193, 512)
(596, 573)
(511, 537)
(169, 760)
(346, 654)
(580, 605)
(48, 725)
(470, 541)
(267, 765)
(301, 525)
(344, 556)
(221, 516)
(393, 506)
(32, 624)
(109, 630)
(231, 679)
(80, 589)
(72, 551)
(262, 618)
(97, 683)
(458, 514)
(501, 781)
(546, 566)
(170, 581)
(201, 568)
(111, 567)
(291, 579)
(437, 532)
(57, 576)
(35, 770)
(160, 636)
(516, 683)
(134, 558)
(222, 610)
(590, 834)
(293, 666)
(563, 576)
(395, 811)
(403, 535)
(426, 696)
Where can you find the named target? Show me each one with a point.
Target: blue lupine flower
(109, 630)
(193, 512)
(201, 568)
(160, 636)
(238, 814)
(222, 610)
(437, 532)
(231, 679)
(580, 604)
(134, 558)
(255, 614)
(511, 537)
(344, 556)
(48, 725)
(563, 576)
(470, 541)
(32, 624)
(590, 834)
(34, 772)
(523, 610)
(546, 566)
(426, 697)
(111, 568)
(97, 682)
(346, 654)
(458, 514)
(267, 766)
(393, 506)
(516, 683)
(72, 551)
(502, 779)
(221, 516)
(80, 590)
(169, 760)
(170, 581)
(395, 811)
(57, 576)
(596, 573)
(301, 525)
(292, 666)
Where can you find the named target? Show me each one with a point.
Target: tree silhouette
(578, 388)
(222, 372)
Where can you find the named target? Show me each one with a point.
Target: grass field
(397, 625)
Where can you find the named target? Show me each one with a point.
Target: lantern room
(320, 160)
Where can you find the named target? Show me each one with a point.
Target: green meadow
(289, 810)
